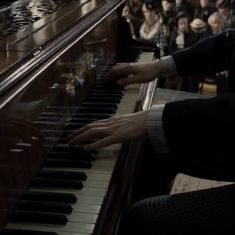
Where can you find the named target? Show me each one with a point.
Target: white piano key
(92, 191)
(96, 184)
(82, 217)
(90, 199)
(96, 176)
(86, 208)
(64, 233)
(84, 191)
(69, 227)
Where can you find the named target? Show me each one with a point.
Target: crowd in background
(176, 24)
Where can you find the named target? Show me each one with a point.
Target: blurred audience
(132, 11)
(177, 24)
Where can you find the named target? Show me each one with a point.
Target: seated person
(183, 37)
(198, 26)
(224, 8)
(215, 26)
(151, 27)
(132, 11)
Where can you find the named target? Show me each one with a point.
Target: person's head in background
(182, 22)
(204, 3)
(216, 22)
(136, 3)
(178, 2)
(167, 5)
(149, 11)
(224, 7)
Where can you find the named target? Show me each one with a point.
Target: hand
(135, 72)
(109, 131)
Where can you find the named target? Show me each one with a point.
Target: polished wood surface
(30, 40)
(27, 48)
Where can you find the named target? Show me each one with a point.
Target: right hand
(128, 73)
(117, 129)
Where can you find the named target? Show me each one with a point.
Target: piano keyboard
(86, 194)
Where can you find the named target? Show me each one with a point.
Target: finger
(95, 124)
(123, 68)
(139, 78)
(100, 143)
(92, 134)
(119, 70)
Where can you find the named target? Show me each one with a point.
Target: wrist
(168, 66)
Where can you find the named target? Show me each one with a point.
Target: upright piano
(52, 81)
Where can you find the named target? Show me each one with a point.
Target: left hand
(109, 131)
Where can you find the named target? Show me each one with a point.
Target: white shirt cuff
(155, 129)
(168, 66)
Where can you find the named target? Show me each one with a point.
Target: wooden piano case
(51, 68)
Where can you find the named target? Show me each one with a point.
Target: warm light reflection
(88, 6)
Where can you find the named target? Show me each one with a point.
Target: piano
(52, 81)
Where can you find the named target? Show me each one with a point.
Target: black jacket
(204, 127)
(211, 55)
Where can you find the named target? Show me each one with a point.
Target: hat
(181, 14)
(151, 4)
(223, 3)
(198, 24)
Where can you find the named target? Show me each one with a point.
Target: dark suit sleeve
(201, 125)
(208, 56)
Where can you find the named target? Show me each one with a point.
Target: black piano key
(71, 155)
(90, 115)
(49, 196)
(110, 84)
(49, 119)
(49, 114)
(52, 207)
(62, 174)
(65, 148)
(47, 182)
(76, 125)
(67, 163)
(79, 109)
(56, 125)
(25, 232)
(72, 126)
(103, 99)
(60, 108)
(74, 120)
(97, 104)
(107, 91)
(110, 87)
(105, 110)
(38, 217)
(47, 124)
(106, 94)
